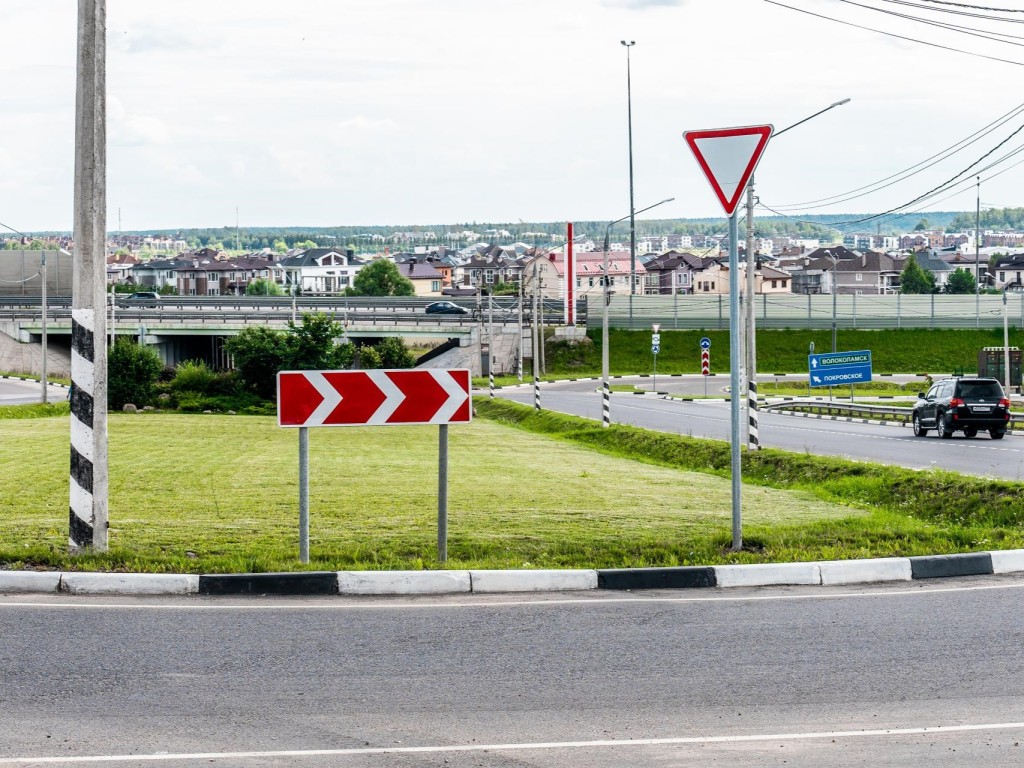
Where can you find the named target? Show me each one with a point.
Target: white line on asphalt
(375, 603)
(516, 747)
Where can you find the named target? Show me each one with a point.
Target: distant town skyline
(389, 112)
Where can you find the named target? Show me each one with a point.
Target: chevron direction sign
(375, 397)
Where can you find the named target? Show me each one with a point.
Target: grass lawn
(208, 493)
(211, 493)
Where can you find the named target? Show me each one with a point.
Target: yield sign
(728, 157)
(382, 397)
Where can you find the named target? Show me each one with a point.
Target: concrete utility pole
(89, 478)
(632, 208)
(42, 271)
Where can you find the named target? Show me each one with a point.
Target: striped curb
(532, 581)
(83, 583)
(403, 582)
(300, 583)
(827, 573)
(35, 381)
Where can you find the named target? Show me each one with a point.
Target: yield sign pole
(728, 157)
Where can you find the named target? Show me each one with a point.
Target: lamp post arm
(811, 117)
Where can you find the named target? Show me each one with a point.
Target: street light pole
(605, 386)
(1006, 346)
(977, 265)
(632, 209)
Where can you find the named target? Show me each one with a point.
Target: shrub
(193, 376)
(132, 371)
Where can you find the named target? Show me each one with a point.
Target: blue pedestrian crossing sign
(705, 343)
(834, 369)
(655, 349)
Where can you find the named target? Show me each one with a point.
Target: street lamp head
(629, 44)
(839, 103)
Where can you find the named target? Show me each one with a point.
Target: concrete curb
(827, 573)
(37, 381)
(764, 575)
(81, 583)
(29, 581)
(403, 582)
(532, 581)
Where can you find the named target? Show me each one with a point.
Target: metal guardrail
(227, 309)
(857, 410)
(814, 311)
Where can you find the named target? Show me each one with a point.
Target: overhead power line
(898, 37)
(913, 170)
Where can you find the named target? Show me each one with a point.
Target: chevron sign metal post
(373, 398)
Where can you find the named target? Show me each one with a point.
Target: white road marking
(392, 604)
(516, 747)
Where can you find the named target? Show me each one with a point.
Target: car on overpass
(140, 299)
(446, 308)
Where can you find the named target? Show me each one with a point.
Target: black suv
(965, 404)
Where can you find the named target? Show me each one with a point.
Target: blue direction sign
(705, 343)
(833, 369)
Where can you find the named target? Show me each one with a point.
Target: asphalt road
(796, 677)
(866, 442)
(16, 392)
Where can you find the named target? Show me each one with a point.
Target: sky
(421, 112)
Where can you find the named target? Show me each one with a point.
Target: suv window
(981, 389)
(946, 389)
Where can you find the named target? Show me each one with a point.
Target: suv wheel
(997, 434)
(919, 431)
(944, 432)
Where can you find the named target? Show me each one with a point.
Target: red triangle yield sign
(728, 157)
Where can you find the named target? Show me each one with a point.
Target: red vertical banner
(570, 279)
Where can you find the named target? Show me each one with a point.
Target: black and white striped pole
(88, 482)
(750, 349)
(606, 391)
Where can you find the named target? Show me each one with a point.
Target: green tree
(381, 278)
(305, 245)
(960, 281)
(261, 286)
(915, 279)
(394, 354)
(258, 353)
(312, 344)
(921, 226)
(280, 246)
(132, 371)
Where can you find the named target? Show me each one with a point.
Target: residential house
(426, 279)
(318, 271)
(491, 267)
(932, 262)
(1009, 272)
(155, 274)
(672, 272)
(207, 277)
(542, 274)
(714, 279)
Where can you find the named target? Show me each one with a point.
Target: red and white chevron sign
(379, 397)
(705, 362)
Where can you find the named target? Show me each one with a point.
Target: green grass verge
(211, 493)
(778, 351)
